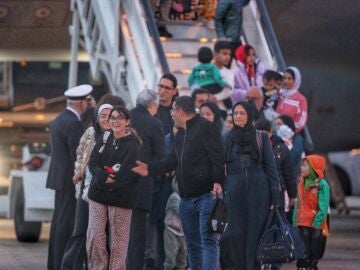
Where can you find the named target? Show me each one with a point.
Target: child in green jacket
(311, 209)
(206, 75)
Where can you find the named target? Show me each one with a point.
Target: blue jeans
(203, 247)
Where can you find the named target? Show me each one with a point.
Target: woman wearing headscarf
(252, 187)
(291, 101)
(248, 72)
(211, 112)
(75, 252)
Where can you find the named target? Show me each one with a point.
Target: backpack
(218, 218)
(281, 242)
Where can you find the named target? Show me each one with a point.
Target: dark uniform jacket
(198, 158)
(66, 132)
(149, 129)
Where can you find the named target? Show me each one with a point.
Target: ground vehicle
(27, 201)
(347, 166)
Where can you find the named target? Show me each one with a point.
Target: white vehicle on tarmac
(28, 201)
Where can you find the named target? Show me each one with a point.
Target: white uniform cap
(78, 92)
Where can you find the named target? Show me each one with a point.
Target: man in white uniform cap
(65, 131)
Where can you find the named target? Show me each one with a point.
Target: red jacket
(307, 206)
(294, 106)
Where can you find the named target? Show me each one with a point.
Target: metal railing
(276, 52)
(122, 41)
(149, 14)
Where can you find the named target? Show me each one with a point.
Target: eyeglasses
(240, 113)
(117, 118)
(164, 87)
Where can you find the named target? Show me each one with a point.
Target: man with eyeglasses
(167, 91)
(199, 163)
(65, 133)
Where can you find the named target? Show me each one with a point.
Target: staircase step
(181, 78)
(182, 63)
(190, 30)
(185, 46)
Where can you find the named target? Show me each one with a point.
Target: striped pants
(119, 230)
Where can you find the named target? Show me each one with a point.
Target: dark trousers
(62, 226)
(75, 252)
(136, 250)
(314, 247)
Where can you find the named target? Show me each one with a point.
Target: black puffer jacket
(285, 166)
(125, 152)
(198, 158)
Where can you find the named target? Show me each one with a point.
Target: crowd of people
(134, 189)
(167, 168)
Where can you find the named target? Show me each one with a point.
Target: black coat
(285, 166)
(250, 189)
(65, 133)
(164, 114)
(149, 129)
(122, 193)
(198, 158)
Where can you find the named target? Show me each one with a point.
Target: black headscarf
(244, 137)
(287, 120)
(217, 114)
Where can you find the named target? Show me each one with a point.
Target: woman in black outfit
(251, 188)
(112, 193)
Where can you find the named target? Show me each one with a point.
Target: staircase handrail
(276, 51)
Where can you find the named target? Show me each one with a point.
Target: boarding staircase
(121, 39)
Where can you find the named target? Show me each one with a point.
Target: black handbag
(281, 242)
(218, 219)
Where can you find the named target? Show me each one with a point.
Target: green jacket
(323, 203)
(205, 74)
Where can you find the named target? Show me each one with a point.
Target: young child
(311, 209)
(206, 75)
(174, 240)
(270, 92)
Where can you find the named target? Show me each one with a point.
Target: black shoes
(163, 32)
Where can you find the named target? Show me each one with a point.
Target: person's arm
(269, 166)
(95, 161)
(228, 88)
(323, 202)
(301, 118)
(288, 173)
(260, 70)
(129, 161)
(168, 164)
(78, 171)
(221, 12)
(217, 76)
(214, 148)
(239, 92)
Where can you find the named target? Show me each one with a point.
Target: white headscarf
(289, 92)
(103, 107)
